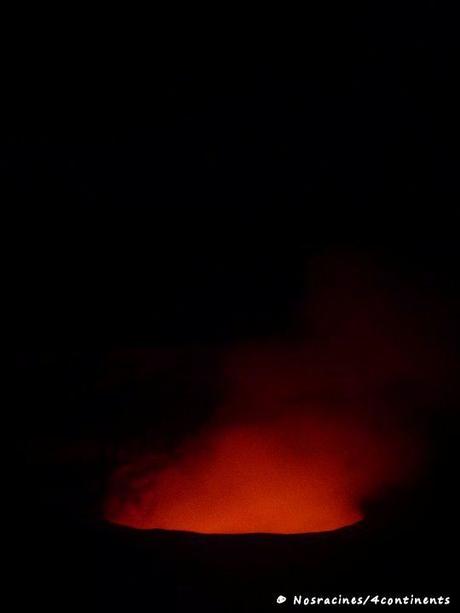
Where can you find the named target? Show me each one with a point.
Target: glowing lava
(287, 476)
(307, 430)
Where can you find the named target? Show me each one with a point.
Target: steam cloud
(312, 425)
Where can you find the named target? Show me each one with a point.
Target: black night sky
(169, 205)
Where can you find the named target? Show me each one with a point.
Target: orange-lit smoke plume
(311, 426)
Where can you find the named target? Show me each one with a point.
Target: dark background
(172, 197)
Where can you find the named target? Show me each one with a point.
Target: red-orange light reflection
(289, 476)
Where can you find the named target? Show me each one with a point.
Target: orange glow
(307, 429)
(287, 476)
